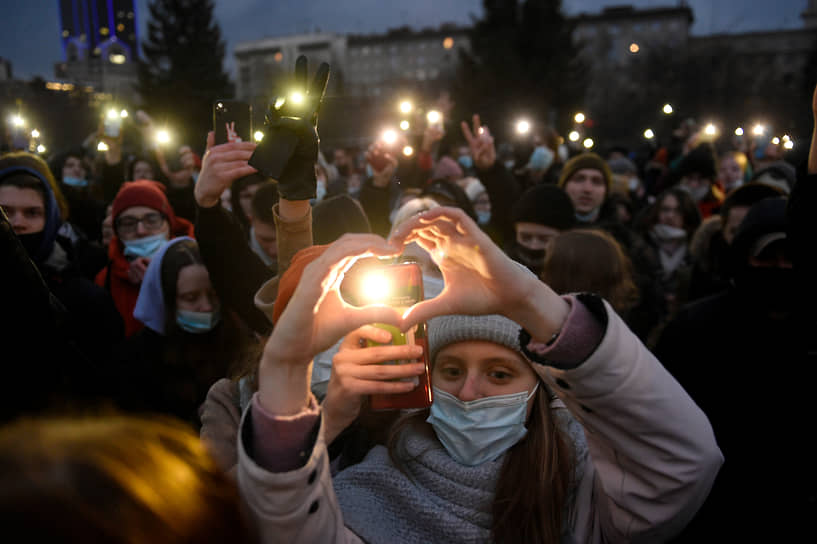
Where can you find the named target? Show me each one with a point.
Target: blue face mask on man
(197, 322)
(541, 158)
(75, 182)
(483, 218)
(144, 247)
(480, 430)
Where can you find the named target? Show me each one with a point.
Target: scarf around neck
(436, 499)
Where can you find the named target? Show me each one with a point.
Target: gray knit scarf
(436, 499)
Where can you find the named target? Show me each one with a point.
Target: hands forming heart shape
(479, 279)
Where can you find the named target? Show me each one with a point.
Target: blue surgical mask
(588, 217)
(481, 430)
(541, 158)
(75, 182)
(483, 218)
(197, 322)
(144, 247)
(320, 191)
(466, 161)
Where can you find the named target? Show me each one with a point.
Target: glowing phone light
(375, 287)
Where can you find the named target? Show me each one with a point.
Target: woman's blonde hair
(114, 479)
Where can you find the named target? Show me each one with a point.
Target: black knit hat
(700, 160)
(545, 204)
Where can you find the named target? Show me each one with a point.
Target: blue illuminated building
(99, 29)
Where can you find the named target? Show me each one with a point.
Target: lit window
(448, 42)
(278, 56)
(104, 30)
(120, 27)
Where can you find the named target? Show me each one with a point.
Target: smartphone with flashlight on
(386, 144)
(399, 285)
(232, 121)
(112, 124)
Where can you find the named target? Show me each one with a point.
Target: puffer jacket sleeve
(295, 506)
(653, 456)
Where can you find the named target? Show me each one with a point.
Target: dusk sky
(30, 30)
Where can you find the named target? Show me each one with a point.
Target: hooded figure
(143, 220)
(28, 199)
(717, 347)
(187, 343)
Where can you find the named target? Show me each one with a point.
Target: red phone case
(408, 279)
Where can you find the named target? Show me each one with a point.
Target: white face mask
(666, 233)
(481, 430)
(698, 193)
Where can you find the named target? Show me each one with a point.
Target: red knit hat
(143, 193)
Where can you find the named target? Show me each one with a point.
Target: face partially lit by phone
(476, 369)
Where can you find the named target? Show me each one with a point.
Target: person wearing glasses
(143, 221)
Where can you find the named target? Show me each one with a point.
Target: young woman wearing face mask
(667, 227)
(189, 341)
(143, 221)
(544, 365)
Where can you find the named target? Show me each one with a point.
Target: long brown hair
(590, 260)
(535, 479)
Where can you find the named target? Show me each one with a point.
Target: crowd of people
(620, 348)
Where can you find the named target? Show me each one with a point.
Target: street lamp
(35, 133)
(710, 130)
(758, 130)
(739, 131)
(573, 136)
(579, 118)
(408, 151)
(522, 126)
(634, 48)
(667, 109)
(406, 106)
(259, 135)
(404, 125)
(588, 143)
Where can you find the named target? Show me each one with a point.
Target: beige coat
(653, 456)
